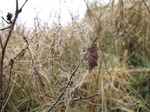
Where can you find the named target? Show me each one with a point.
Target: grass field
(44, 69)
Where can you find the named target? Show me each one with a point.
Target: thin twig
(17, 56)
(67, 85)
(73, 100)
(5, 28)
(33, 64)
(3, 54)
(146, 6)
(23, 5)
(1, 42)
(81, 98)
(20, 53)
(2, 60)
(5, 20)
(10, 75)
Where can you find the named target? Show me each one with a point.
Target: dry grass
(45, 58)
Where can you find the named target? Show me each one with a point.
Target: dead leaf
(92, 56)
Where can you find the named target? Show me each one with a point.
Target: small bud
(9, 16)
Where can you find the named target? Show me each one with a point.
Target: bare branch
(23, 5)
(33, 65)
(73, 100)
(67, 85)
(82, 98)
(5, 20)
(10, 75)
(5, 28)
(1, 42)
(3, 55)
(20, 53)
(146, 6)
(16, 5)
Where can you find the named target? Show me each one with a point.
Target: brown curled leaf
(92, 56)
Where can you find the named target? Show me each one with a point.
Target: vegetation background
(44, 69)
